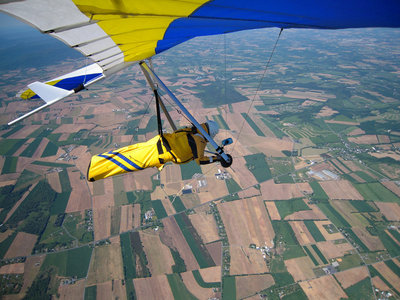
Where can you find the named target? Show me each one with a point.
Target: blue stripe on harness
(124, 158)
(116, 162)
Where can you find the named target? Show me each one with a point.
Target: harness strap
(192, 144)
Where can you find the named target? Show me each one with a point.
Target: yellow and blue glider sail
(117, 33)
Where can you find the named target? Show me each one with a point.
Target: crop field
(257, 164)
(70, 263)
(153, 287)
(283, 191)
(247, 222)
(178, 242)
(195, 288)
(341, 189)
(194, 241)
(352, 276)
(245, 260)
(313, 229)
(288, 207)
(301, 232)
(376, 192)
(106, 264)
(325, 287)
(158, 255)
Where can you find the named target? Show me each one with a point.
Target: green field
(362, 206)
(10, 165)
(311, 255)
(232, 186)
(189, 169)
(70, 263)
(50, 150)
(257, 165)
(333, 215)
(376, 192)
(194, 241)
(60, 203)
(177, 203)
(12, 131)
(361, 290)
(127, 258)
(350, 261)
(318, 191)
(313, 229)
(8, 147)
(221, 122)
(202, 283)
(91, 292)
(228, 288)
(319, 253)
(4, 245)
(285, 234)
(159, 209)
(30, 150)
(178, 288)
(287, 207)
(275, 129)
(253, 125)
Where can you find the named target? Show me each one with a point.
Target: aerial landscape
(309, 209)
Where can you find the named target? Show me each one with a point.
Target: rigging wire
(258, 89)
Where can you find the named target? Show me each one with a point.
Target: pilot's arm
(198, 145)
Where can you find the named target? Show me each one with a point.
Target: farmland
(314, 182)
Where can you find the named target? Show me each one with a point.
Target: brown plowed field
(340, 189)
(32, 267)
(245, 260)
(80, 198)
(322, 288)
(110, 290)
(126, 222)
(18, 268)
(364, 139)
(352, 276)
(379, 284)
(205, 226)
(247, 222)
(372, 242)
(158, 255)
(22, 245)
(155, 287)
(331, 250)
(272, 210)
(215, 250)
(24, 132)
(72, 291)
(102, 223)
(313, 214)
(283, 191)
(39, 150)
(388, 274)
(106, 264)
(302, 234)
(241, 174)
(249, 285)
(212, 274)
(392, 186)
(54, 181)
(174, 237)
(193, 287)
(300, 268)
(136, 216)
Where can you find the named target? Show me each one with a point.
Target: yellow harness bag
(153, 153)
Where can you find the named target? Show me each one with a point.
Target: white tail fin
(49, 93)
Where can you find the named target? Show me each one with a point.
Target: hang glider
(119, 33)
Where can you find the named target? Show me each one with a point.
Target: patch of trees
(34, 210)
(39, 288)
(8, 198)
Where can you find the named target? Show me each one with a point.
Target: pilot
(180, 147)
